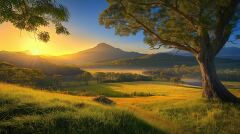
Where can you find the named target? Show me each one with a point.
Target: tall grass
(26, 111)
(201, 117)
(168, 108)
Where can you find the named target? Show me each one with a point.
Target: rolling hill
(226, 53)
(21, 59)
(230, 53)
(163, 60)
(151, 60)
(104, 55)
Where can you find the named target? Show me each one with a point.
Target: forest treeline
(178, 72)
(109, 77)
(36, 78)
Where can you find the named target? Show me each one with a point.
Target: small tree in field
(201, 27)
(30, 15)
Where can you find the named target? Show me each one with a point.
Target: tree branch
(167, 42)
(173, 8)
(225, 16)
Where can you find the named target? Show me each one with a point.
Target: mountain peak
(104, 45)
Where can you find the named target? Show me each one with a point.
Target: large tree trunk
(212, 86)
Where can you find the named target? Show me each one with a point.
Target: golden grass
(172, 108)
(41, 96)
(24, 110)
(176, 102)
(157, 89)
(116, 70)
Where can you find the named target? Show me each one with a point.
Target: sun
(35, 52)
(34, 47)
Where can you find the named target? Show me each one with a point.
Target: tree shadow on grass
(93, 90)
(11, 110)
(107, 123)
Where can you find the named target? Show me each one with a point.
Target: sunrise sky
(85, 33)
(84, 28)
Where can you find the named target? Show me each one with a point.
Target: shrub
(103, 100)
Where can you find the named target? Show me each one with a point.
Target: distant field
(129, 89)
(116, 70)
(126, 89)
(156, 107)
(232, 85)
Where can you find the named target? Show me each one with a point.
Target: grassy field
(131, 89)
(116, 70)
(180, 108)
(141, 107)
(25, 111)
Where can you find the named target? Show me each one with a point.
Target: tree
(85, 77)
(57, 81)
(30, 15)
(201, 27)
(100, 76)
(176, 80)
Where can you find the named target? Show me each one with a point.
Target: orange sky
(12, 39)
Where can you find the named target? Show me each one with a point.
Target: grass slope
(180, 109)
(170, 108)
(23, 111)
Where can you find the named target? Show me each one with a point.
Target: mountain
(230, 53)
(104, 55)
(20, 59)
(102, 52)
(226, 53)
(151, 60)
(165, 60)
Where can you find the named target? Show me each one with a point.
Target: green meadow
(25, 110)
(140, 108)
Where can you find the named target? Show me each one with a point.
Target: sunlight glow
(35, 52)
(15, 40)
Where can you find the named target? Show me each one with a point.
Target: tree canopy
(177, 24)
(31, 15)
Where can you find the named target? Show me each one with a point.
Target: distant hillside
(20, 59)
(165, 60)
(104, 55)
(230, 53)
(102, 52)
(153, 60)
(226, 53)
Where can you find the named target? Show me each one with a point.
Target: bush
(103, 100)
(120, 77)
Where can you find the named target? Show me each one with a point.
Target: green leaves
(30, 15)
(173, 23)
(44, 36)
(60, 29)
